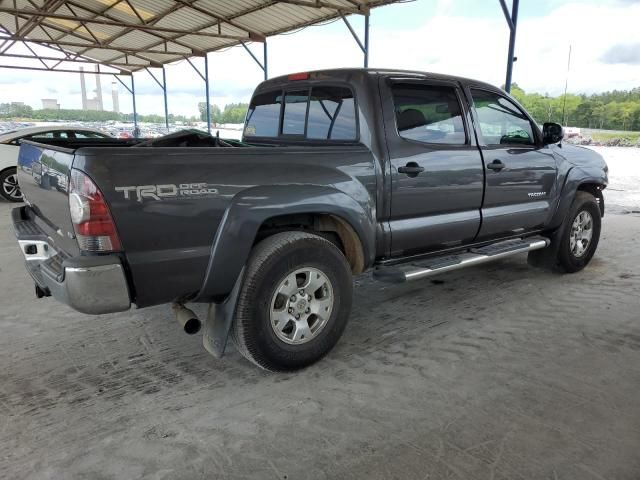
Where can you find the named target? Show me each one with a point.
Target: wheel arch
(260, 211)
(589, 180)
(340, 231)
(595, 189)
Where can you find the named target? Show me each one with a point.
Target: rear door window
(429, 114)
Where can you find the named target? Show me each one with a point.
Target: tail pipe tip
(189, 321)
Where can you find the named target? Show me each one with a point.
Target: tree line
(614, 110)
(232, 113)
(21, 111)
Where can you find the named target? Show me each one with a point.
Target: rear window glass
(295, 112)
(332, 114)
(321, 113)
(263, 117)
(429, 114)
(52, 134)
(86, 134)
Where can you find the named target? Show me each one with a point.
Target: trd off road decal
(168, 191)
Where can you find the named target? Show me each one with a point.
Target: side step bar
(473, 256)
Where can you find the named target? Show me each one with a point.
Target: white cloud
(444, 43)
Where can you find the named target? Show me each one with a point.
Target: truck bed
(172, 236)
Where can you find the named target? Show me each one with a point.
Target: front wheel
(580, 235)
(294, 303)
(9, 188)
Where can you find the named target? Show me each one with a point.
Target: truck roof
(346, 73)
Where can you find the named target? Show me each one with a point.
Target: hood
(585, 163)
(581, 156)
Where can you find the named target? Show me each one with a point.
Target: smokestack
(98, 90)
(83, 88)
(114, 97)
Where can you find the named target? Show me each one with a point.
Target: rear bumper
(91, 284)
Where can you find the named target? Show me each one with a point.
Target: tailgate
(43, 175)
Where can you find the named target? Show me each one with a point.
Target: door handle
(496, 165)
(411, 169)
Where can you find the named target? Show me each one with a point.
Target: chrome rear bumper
(89, 284)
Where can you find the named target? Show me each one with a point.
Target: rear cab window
(320, 112)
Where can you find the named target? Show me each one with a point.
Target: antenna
(566, 83)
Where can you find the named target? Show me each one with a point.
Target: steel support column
(206, 92)
(136, 131)
(364, 47)
(512, 22)
(163, 87)
(366, 40)
(204, 77)
(132, 91)
(263, 64)
(166, 104)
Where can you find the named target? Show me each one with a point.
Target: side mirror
(552, 133)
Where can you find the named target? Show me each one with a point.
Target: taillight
(92, 222)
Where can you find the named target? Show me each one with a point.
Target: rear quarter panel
(168, 240)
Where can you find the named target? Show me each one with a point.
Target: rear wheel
(294, 303)
(9, 188)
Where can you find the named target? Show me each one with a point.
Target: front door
(435, 166)
(520, 173)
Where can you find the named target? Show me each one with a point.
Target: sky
(459, 37)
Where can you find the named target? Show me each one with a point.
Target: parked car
(408, 174)
(10, 145)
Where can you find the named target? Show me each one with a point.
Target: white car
(10, 146)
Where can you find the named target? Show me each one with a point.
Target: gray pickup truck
(408, 174)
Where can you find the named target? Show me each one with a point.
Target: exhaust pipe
(190, 322)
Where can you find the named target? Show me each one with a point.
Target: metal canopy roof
(130, 35)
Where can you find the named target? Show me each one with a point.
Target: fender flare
(576, 177)
(250, 208)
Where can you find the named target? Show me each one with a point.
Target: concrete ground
(501, 372)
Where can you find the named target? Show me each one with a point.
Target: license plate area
(36, 250)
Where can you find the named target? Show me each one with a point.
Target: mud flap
(219, 319)
(547, 257)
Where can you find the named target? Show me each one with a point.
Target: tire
(9, 188)
(574, 255)
(267, 299)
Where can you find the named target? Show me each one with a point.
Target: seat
(410, 118)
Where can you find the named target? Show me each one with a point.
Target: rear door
(435, 166)
(520, 172)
